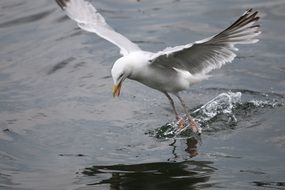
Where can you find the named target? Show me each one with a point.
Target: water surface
(61, 128)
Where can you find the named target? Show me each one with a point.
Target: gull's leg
(172, 105)
(179, 119)
(193, 124)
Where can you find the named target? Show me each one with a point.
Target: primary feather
(211, 53)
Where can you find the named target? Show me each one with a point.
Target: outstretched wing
(87, 18)
(203, 56)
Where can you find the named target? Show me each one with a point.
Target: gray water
(61, 128)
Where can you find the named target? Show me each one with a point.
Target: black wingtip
(62, 3)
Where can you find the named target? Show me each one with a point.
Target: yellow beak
(117, 89)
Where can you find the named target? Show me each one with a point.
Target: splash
(222, 104)
(222, 112)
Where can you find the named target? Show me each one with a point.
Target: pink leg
(179, 119)
(193, 124)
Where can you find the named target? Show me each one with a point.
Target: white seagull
(173, 69)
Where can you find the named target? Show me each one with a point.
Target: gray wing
(203, 56)
(87, 18)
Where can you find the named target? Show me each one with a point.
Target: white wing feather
(87, 18)
(211, 53)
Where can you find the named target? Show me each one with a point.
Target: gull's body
(173, 69)
(159, 78)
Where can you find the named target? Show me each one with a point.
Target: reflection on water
(191, 147)
(164, 175)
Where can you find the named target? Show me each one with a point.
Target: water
(61, 128)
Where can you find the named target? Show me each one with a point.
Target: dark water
(61, 128)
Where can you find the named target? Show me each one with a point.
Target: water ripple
(27, 19)
(61, 65)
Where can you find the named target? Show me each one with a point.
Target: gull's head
(120, 71)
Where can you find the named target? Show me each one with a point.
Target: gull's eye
(121, 75)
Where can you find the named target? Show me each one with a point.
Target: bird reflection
(191, 147)
(158, 176)
(161, 175)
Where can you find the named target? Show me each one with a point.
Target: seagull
(173, 69)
